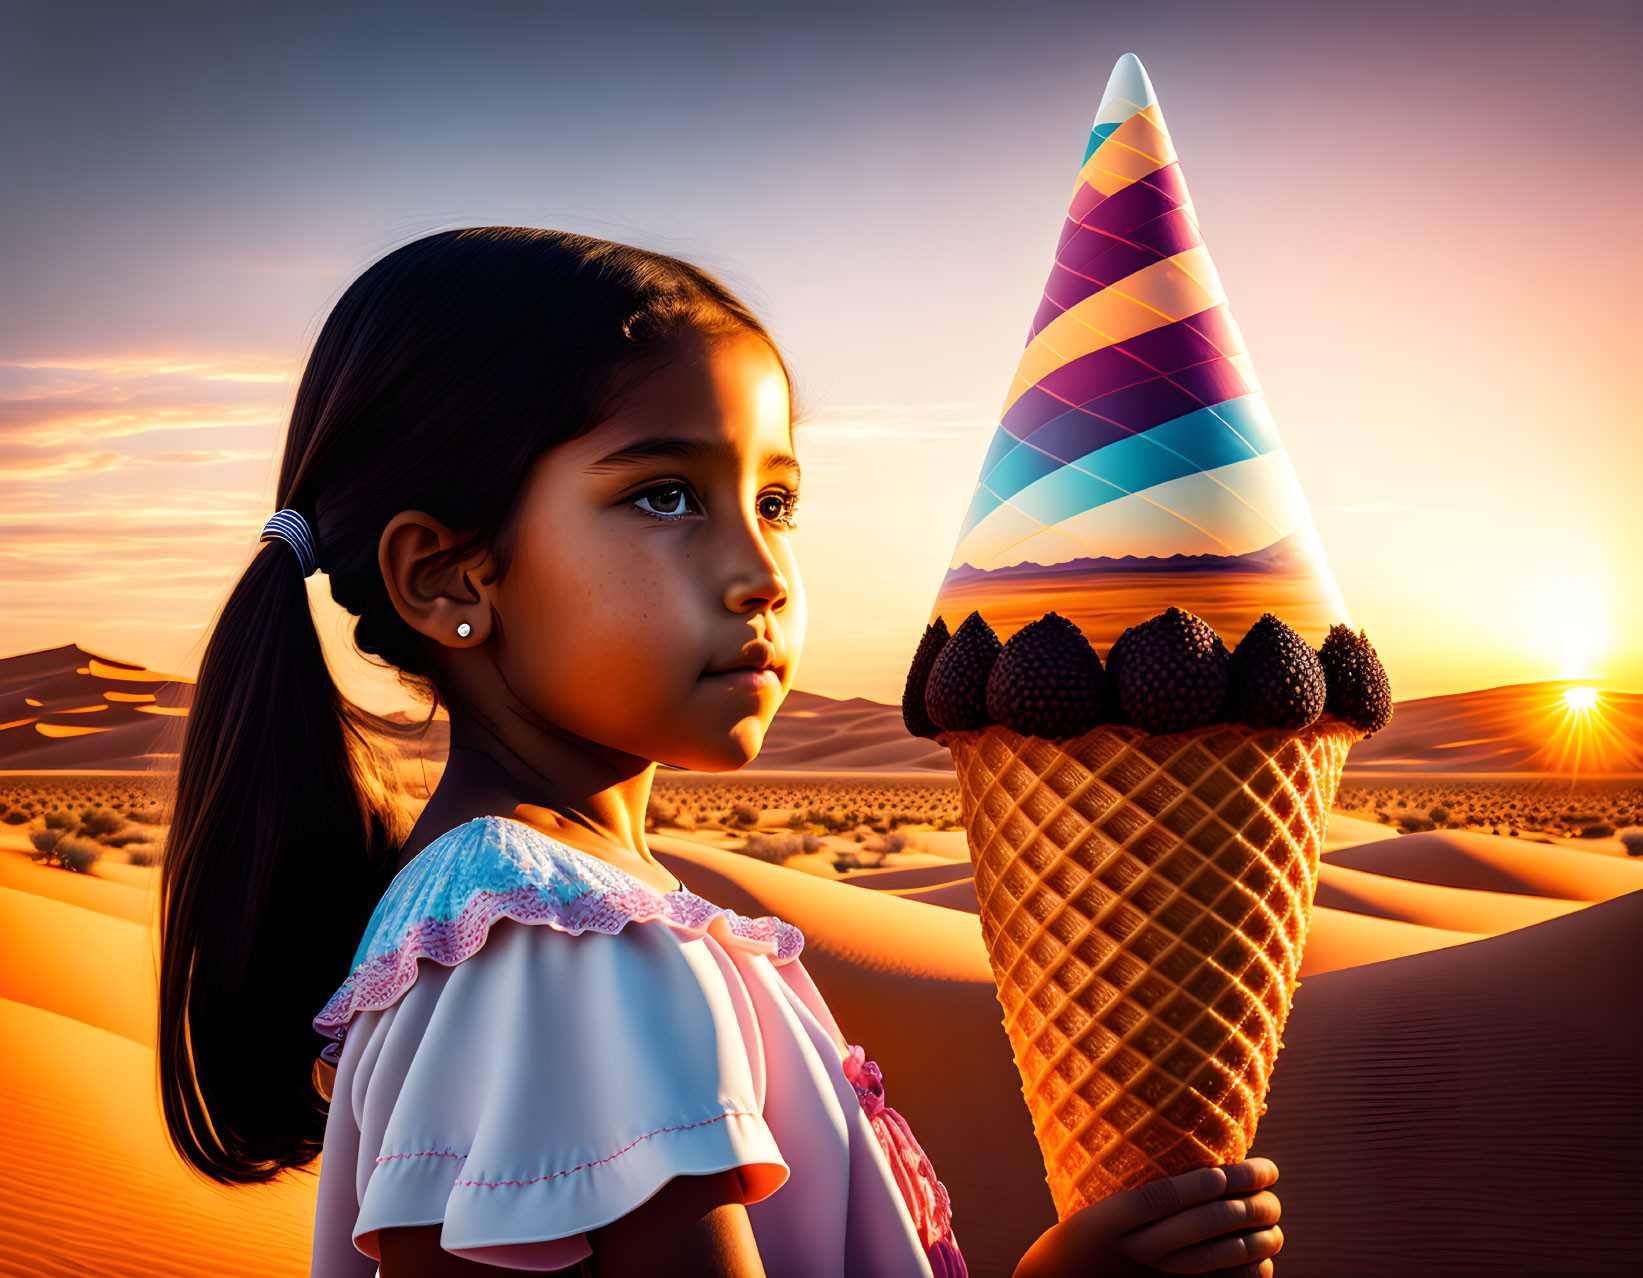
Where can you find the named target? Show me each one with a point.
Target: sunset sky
(1425, 216)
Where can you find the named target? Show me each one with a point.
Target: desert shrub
(1438, 813)
(659, 812)
(96, 822)
(778, 848)
(148, 815)
(16, 816)
(1632, 841)
(127, 835)
(743, 814)
(78, 854)
(45, 840)
(1414, 822)
(1598, 831)
(57, 819)
(143, 854)
(894, 841)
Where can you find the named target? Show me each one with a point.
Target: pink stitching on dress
(424, 1153)
(492, 1184)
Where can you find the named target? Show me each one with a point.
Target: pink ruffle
(383, 980)
(926, 1197)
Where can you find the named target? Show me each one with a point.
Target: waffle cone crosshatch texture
(1145, 901)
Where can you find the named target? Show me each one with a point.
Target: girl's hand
(1219, 1221)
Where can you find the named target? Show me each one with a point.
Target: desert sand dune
(1492, 730)
(1340, 938)
(1490, 863)
(1474, 1110)
(1428, 1104)
(1343, 830)
(1462, 909)
(921, 876)
(957, 895)
(93, 1186)
(88, 891)
(93, 968)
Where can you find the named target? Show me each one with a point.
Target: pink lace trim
(926, 1197)
(381, 981)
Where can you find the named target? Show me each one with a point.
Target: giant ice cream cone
(1145, 885)
(1145, 901)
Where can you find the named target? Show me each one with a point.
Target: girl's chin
(736, 749)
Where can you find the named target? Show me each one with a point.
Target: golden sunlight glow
(1580, 698)
(1578, 735)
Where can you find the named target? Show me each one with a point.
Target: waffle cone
(1144, 902)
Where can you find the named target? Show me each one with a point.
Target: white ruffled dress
(522, 1084)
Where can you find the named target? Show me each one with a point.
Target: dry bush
(128, 834)
(98, 821)
(778, 848)
(77, 854)
(1528, 807)
(660, 812)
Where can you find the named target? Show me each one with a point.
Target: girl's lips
(748, 680)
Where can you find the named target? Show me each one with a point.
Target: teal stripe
(1204, 439)
(984, 503)
(1098, 135)
(1021, 466)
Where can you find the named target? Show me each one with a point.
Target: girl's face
(654, 552)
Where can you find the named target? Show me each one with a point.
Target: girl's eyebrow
(721, 451)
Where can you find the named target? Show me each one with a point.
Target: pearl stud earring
(463, 629)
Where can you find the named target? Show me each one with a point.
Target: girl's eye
(667, 501)
(672, 500)
(778, 506)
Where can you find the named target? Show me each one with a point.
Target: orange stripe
(1150, 298)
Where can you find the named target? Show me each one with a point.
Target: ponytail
(274, 767)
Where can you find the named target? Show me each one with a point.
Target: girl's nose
(757, 581)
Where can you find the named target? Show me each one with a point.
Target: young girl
(553, 479)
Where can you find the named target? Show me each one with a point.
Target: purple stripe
(1118, 216)
(1139, 202)
(1095, 260)
(1171, 232)
(1172, 349)
(1069, 432)
(1086, 199)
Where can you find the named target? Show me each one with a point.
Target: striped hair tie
(289, 526)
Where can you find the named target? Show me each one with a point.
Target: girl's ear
(442, 600)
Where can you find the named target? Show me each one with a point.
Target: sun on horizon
(1580, 698)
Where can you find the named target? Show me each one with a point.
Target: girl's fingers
(1159, 1198)
(1234, 1251)
(1205, 1222)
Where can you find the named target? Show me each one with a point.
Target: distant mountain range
(67, 709)
(1282, 557)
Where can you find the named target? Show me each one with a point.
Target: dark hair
(439, 376)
